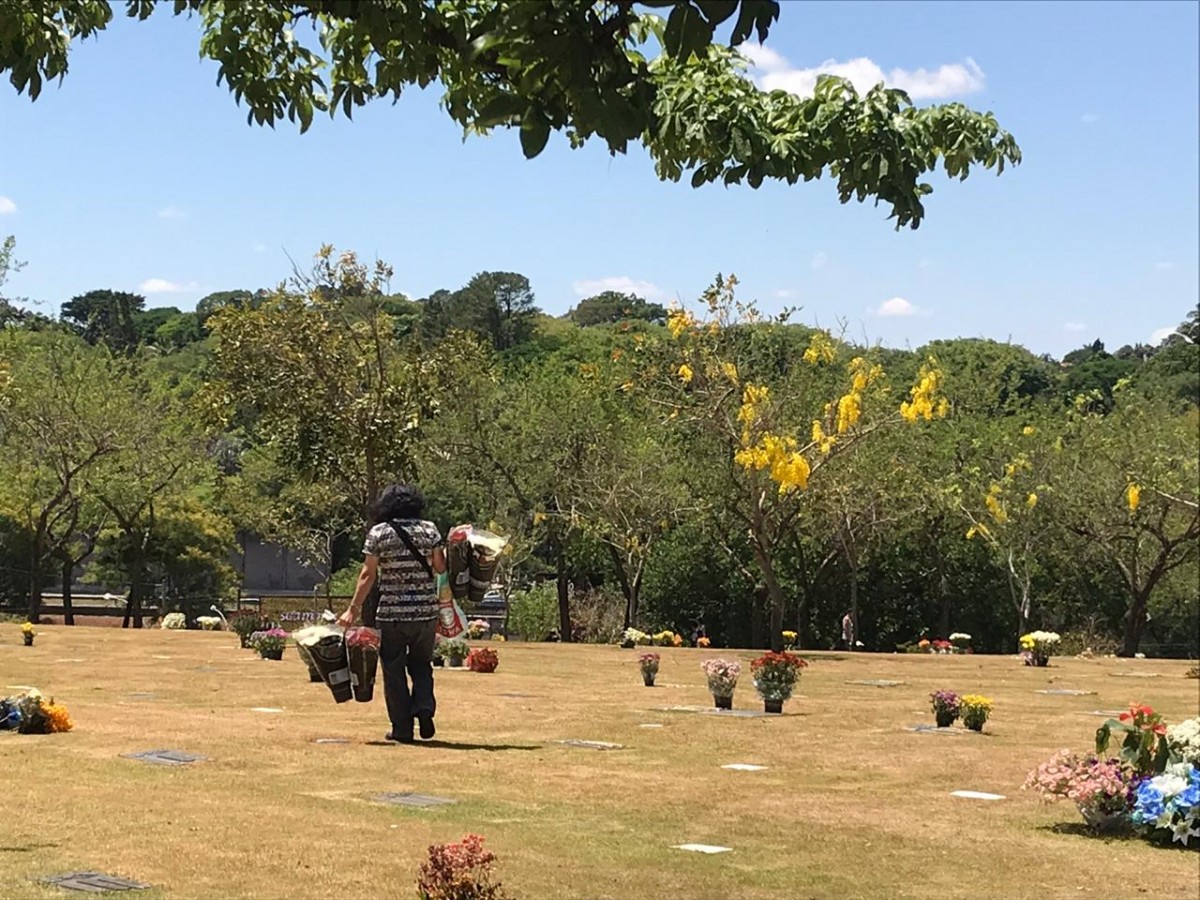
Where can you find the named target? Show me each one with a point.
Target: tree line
(653, 467)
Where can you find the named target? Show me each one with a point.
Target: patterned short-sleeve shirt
(406, 592)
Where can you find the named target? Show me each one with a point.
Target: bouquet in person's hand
(325, 647)
(362, 651)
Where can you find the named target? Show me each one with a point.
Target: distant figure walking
(848, 634)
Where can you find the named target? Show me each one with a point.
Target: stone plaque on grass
(418, 801)
(976, 795)
(1135, 675)
(1064, 692)
(591, 745)
(744, 767)
(877, 682)
(165, 757)
(334, 740)
(930, 729)
(93, 882)
(725, 713)
(702, 848)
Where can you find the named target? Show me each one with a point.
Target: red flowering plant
(1144, 747)
(940, 646)
(459, 871)
(775, 674)
(483, 659)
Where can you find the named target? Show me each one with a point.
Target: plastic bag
(451, 621)
(326, 648)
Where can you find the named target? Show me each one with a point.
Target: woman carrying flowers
(404, 554)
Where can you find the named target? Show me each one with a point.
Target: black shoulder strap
(402, 533)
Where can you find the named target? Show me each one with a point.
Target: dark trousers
(407, 645)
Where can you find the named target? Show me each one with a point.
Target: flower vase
(275, 654)
(944, 720)
(439, 662)
(28, 639)
(648, 678)
(1041, 661)
(723, 702)
(456, 662)
(773, 706)
(1102, 822)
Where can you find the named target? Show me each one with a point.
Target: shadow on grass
(27, 848)
(455, 745)
(1081, 829)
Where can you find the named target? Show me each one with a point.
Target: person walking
(848, 631)
(403, 554)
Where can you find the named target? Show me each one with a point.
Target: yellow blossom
(686, 374)
(1133, 496)
(730, 371)
(539, 517)
(925, 403)
(848, 412)
(679, 321)
(820, 350)
(627, 386)
(1031, 500)
(823, 441)
(1028, 430)
(995, 507)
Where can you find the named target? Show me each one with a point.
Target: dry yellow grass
(851, 805)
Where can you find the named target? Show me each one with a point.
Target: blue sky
(139, 173)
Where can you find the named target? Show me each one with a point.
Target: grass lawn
(851, 804)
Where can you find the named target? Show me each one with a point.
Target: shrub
(533, 614)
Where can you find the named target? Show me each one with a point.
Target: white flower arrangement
(175, 621)
(209, 623)
(960, 636)
(1183, 739)
(635, 637)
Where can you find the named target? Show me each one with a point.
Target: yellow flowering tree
(1002, 496)
(1135, 497)
(759, 417)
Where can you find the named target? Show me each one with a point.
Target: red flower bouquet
(362, 652)
(483, 659)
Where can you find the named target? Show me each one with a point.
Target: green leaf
(686, 33)
(535, 131)
(717, 11)
(500, 109)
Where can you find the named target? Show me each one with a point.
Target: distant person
(404, 553)
(848, 634)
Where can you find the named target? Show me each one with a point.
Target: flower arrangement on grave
(173, 621)
(975, 709)
(477, 629)
(1098, 787)
(703, 642)
(269, 643)
(946, 707)
(923, 645)
(1144, 747)
(454, 651)
(245, 622)
(483, 659)
(632, 637)
(32, 713)
(362, 657)
(775, 676)
(1183, 741)
(664, 639)
(648, 663)
(722, 675)
(459, 871)
(1167, 806)
(961, 642)
(208, 623)
(940, 647)
(789, 640)
(1038, 646)
(28, 633)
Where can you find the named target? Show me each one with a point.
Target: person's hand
(347, 618)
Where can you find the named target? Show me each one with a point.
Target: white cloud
(623, 284)
(171, 212)
(1075, 326)
(1089, 118)
(897, 306)
(162, 286)
(819, 259)
(1164, 266)
(7, 206)
(1161, 334)
(773, 72)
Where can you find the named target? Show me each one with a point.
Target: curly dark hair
(399, 501)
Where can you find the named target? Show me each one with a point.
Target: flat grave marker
(702, 848)
(713, 711)
(744, 767)
(1106, 713)
(93, 882)
(591, 745)
(265, 709)
(930, 729)
(1135, 675)
(165, 757)
(331, 740)
(878, 682)
(407, 798)
(1065, 692)
(976, 795)
(650, 725)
